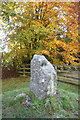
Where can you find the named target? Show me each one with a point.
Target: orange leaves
(76, 43)
(36, 23)
(45, 52)
(33, 22)
(61, 44)
(24, 14)
(61, 24)
(44, 43)
(62, 20)
(51, 20)
(43, 24)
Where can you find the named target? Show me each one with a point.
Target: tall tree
(49, 28)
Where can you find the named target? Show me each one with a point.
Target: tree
(36, 28)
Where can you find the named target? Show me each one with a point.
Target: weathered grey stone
(20, 95)
(43, 81)
(28, 101)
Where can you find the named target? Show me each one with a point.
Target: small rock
(46, 104)
(58, 117)
(20, 95)
(28, 98)
(77, 114)
(28, 101)
(26, 104)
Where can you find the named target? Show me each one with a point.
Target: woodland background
(44, 28)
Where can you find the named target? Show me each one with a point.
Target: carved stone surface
(43, 80)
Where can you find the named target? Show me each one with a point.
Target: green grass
(14, 83)
(63, 106)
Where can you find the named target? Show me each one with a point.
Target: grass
(63, 105)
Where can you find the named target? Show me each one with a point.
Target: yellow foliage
(45, 52)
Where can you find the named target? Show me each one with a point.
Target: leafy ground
(63, 105)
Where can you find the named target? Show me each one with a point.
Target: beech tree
(49, 28)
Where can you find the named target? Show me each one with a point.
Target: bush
(8, 72)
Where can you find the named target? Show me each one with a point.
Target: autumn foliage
(49, 28)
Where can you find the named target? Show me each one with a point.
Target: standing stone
(43, 81)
